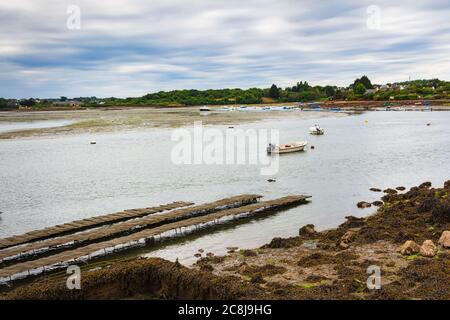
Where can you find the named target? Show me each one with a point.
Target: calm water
(46, 181)
(17, 126)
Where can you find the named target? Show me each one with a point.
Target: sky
(124, 48)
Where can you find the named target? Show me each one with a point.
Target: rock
(390, 191)
(201, 250)
(375, 189)
(197, 255)
(425, 185)
(428, 249)
(307, 230)
(354, 222)
(444, 240)
(400, 188)
(409, 247)
(210, 254)
(343, 245)
(347, 238)
(377, 203)
(363, 204)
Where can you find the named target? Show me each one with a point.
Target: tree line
(361, 89)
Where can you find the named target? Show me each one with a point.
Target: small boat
(286, 148)
(93, 142)
(316, 130)
(205, 109)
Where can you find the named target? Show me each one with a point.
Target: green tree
(3, 103)
(365, 81)
(274, 93)
(360, 89)
(28, 102)
(330, 91)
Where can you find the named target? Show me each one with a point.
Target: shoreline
(331, 264)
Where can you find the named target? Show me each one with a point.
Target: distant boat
(205, 109)
(93, 142)
(287, 148)
(316, 130)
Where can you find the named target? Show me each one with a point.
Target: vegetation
(361, 89)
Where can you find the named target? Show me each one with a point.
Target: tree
(330, 91)
(3, 103)
(365, 81)
(28, 102)
(274, 93)
(62, 99)
(360, 89)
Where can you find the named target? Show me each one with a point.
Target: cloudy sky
(132, 47)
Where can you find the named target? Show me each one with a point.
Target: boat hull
(288, 148)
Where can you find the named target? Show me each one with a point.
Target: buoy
(93, 142)
(312, 147)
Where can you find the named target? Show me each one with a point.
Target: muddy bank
(152, 278)
(110, 120)
(332, 264)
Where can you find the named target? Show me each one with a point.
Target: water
(47, 181)
(28, 125)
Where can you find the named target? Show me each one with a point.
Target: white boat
(286, 148)
(316, 130)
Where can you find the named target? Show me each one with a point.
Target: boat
(287, 148)
(205, 109)
(316, 130)
(93, 142)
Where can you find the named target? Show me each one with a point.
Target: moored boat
(287, 148)
(316, 129)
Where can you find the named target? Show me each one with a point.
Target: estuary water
(49, 180)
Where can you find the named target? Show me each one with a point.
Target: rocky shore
(407, 240)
